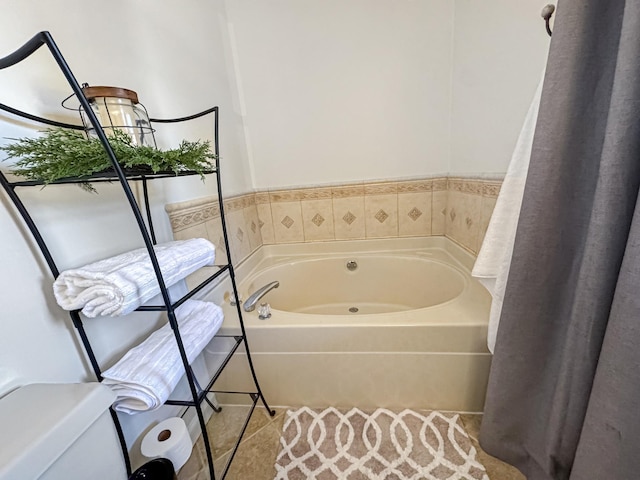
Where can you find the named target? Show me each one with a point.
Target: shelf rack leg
(232, 275)
(254, 397)
(246, 344)
(123, 442)
(215, 407)
(192, 385)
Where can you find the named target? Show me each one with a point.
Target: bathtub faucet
(250, 304)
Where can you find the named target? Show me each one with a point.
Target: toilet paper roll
(169, 439)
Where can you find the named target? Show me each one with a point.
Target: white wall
(341, 91)
(500, 49)
(175, 56)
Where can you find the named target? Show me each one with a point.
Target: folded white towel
(118, 285)
(147, 374)
(494, 259)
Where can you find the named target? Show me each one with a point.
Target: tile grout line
(244, 439)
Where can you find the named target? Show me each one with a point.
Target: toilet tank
(59, 432)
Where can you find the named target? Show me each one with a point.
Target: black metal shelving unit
(117, 174)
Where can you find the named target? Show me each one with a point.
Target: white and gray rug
(352, 444)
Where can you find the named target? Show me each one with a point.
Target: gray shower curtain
(564, 390)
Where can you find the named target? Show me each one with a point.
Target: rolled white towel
(118, 285)
(147, 374)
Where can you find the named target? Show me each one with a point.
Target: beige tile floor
(496, 469)
(256, 456)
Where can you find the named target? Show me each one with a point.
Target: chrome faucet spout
(250, 304)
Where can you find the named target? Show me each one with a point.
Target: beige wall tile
(414, 214)
(488, 204)
(194, 231)
(456, 206)
(463, 219)
(194, 204)
(261, 197)
(265, 222)
(286, 195)
(345, 191)
(472, 211)
(214, 232)
(194, 215)
(316, 193)
(253, 226)
(238, 234)
(451, 211)
(233, 204)
(474, 187)
(455, 184)
(382, 188)
(439, 184)
(381, 215)
(415, 186)
(491, 189)
(287, 222)
(348, 217)
(317, 218)
(438, 212)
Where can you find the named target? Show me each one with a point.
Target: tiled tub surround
(468, 210)
(459, 208)
(200, 218)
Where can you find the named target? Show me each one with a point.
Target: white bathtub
(362, 283)
(417, 339)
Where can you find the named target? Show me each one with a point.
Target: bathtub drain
(353, 309)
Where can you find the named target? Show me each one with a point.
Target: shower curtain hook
(547, 12)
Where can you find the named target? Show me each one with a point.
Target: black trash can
(158, 469)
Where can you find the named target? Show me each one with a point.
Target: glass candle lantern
(118, 109)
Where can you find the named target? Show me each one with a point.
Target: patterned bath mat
(336, 444)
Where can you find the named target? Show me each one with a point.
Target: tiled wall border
(470, 203)
(457, 207)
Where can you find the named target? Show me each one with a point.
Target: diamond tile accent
(452, 214)
(240, 234)
(349, 218)
(381, 216)
(287, 221)
(318, 219)
(254, 227)
(260, 223)
(469, 222)
(444, 211)
(414, 214)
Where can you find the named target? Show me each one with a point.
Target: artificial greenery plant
(61, 153)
